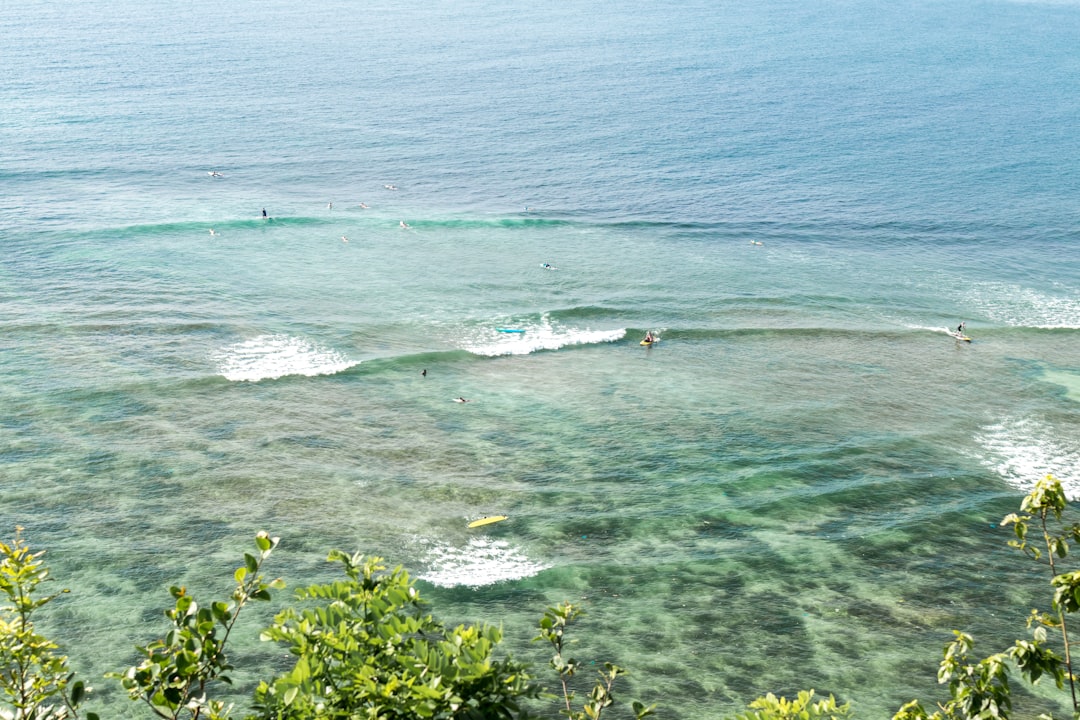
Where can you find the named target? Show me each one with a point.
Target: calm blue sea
(798, 487)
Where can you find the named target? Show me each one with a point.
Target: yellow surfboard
(487, 520)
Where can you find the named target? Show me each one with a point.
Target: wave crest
(272, 356)
(489, 342)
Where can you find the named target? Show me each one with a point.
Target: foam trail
(933, 328)
(1025, 450)
(272, 356)
(483, 561)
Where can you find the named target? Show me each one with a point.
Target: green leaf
(78, 692)
(262, 540)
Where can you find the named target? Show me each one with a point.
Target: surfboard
(958, 336)
(646, 343)
(487, 520)
(509, 330)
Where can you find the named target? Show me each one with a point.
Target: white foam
(272, 356)
(1024, 450)
(483, 561)
(489, 342)
(1023, 307)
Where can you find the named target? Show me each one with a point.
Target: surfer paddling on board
(460, 400)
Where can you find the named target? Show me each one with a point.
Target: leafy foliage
(552, 628)
(981, 689)
(367, 649)
(35, 679)
(802, 707)
(173, 677)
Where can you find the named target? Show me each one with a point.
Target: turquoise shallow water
(799, 486)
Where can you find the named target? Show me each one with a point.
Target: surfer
(344, 239)
(649, 337)
(390, 187)
(214, 173)
(960, 328)
(423, 373)
(329, 206)
(405, 225)
(264, 212)
(212, 231)
(363, 206)
(460, 400)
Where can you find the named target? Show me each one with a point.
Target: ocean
(798, 487)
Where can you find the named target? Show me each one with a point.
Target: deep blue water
(798, 487)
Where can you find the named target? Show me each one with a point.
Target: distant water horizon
(798, 487)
